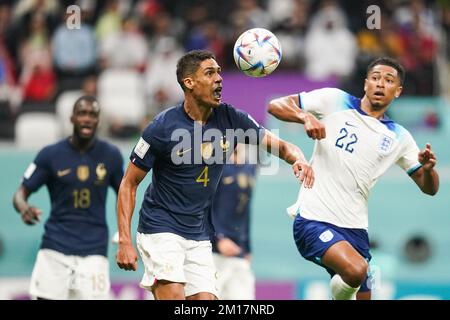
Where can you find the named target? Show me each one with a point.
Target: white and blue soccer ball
(257, 52)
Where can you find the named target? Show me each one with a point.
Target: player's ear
(365, 85)
(398, 91)
(188, 83)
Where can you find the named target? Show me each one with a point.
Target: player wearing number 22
(175, 217)
(356, 144)
(72, 263)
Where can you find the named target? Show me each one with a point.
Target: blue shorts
(313, 238)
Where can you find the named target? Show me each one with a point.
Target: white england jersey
(358, 149)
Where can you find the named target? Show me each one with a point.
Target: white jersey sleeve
(408, 160)
(323, 102)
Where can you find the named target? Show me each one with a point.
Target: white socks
(340, 290)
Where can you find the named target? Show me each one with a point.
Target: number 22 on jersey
(346, 140)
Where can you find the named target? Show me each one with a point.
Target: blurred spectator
(280, 10)
(196, 16)
(162, 88)
(251, 15)
(126, 48)
(419, 46)
(416, 12)
(207, 36)
(7, 88)
(89, 87)
(330, 48)
(37, 77)
(291, 33)
(45, 7)
(74, 53)
(7, 67)
(110, 21)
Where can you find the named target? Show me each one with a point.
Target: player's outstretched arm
(30, 215)
(287, 109)
(126, 257)
(426, 177)
(292, 155)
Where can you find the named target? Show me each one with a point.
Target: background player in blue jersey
(186, 147)
(72, 263)
(231, 219)
(359, 145)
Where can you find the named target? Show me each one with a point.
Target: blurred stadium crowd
(126, 50)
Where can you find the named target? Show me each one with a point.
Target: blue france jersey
(77, 183)
(187, 161)
(231, 208)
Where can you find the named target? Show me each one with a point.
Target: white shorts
(167, 256)
(235, 278)
(58, 276)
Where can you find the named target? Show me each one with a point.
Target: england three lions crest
(385, 145)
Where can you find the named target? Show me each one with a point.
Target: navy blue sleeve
(117, 165)
(148, 147)
(38, 172)
(254, 132)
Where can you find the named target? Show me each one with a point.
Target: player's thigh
(325, 244)
(166, 290)
(163, 256)
(92, 278)
(199, 268)
(52, 275)
(342, 256)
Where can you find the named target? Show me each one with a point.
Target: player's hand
(304, 172)
(427, 158)
(126, 257)
(31, 215)
(313, 127)
(228, 247)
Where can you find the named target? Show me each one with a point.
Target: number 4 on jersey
(203, 177)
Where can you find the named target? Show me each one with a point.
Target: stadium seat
(64, 106)
(121, 95)
(34, 130)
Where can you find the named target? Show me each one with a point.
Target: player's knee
(355, 274)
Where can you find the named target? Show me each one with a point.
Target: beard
(377, 106)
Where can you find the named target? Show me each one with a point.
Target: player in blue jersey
(231, 219)
(186, 147)
(72, 262)
(360, 143)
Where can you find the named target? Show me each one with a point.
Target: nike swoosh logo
(181, 152)
(62, 173)
(349, 124)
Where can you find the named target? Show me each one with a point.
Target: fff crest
(83, 173)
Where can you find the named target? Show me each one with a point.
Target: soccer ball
(257, 52)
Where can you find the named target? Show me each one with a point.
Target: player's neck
(372, 111)
(81, 144)
(196, 111)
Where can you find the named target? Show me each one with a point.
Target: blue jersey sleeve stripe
(414, 169)
(138, 164)
(299, 101)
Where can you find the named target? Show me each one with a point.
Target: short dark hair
(387, 61)
(190, 62)
(90, 99)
